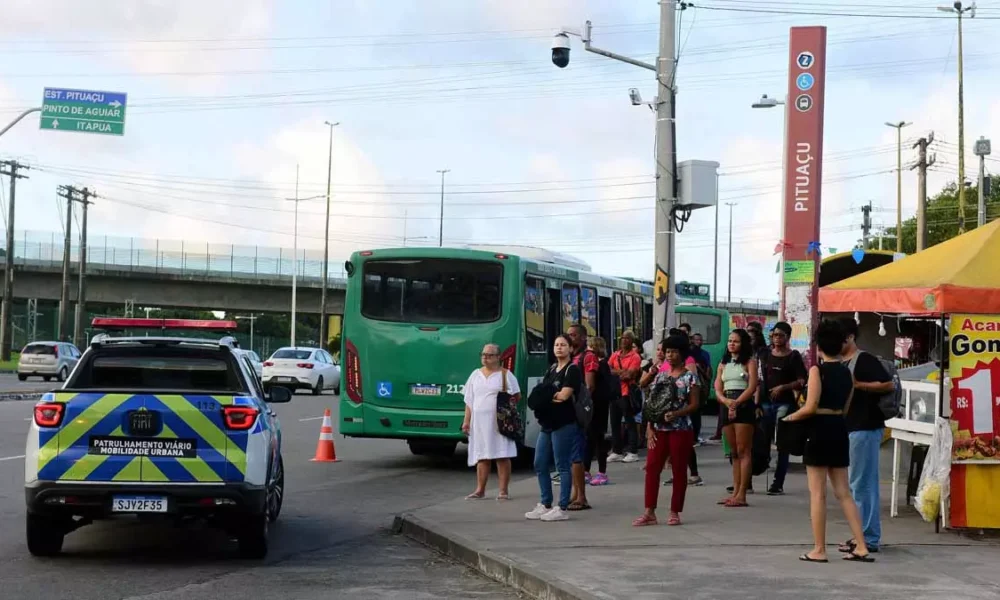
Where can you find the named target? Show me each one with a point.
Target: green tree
(942, 217)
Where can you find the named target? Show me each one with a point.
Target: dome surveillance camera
(560, 50)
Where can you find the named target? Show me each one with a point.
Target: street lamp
(666, 158)
(326, 239)
(899, 181)
(767, 102)
(251, 317)
(957, 9)
(295, 250)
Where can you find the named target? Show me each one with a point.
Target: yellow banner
(974, 369)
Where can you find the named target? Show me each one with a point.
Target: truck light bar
(140, 323)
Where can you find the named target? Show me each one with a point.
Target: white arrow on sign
(55, 124)
(116, 104)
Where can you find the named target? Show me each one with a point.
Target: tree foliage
(942, 217)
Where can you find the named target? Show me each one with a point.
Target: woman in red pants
(669, 433)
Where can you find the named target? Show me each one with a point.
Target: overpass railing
(176, 256)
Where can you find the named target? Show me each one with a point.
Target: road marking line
(11, 457)
(310, 419)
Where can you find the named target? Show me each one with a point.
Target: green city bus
(416, 319)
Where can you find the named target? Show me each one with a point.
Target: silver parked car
(47, 360)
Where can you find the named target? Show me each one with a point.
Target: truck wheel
(45, 538)
(319, 386)
(252, 537)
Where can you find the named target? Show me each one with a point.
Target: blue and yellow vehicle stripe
(221, 454)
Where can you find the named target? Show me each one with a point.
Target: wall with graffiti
(741, 320)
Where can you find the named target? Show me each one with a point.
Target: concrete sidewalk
(719, 553)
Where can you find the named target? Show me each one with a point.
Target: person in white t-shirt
(486, 444)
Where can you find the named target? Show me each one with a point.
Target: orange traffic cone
(325, 451)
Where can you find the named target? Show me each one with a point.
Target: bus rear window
(708, 325)
(431, 290)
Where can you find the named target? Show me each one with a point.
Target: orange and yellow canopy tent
(957, 276)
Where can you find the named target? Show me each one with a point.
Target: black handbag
(791, 436)
(509, 422)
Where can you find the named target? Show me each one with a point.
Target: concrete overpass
(246, 282)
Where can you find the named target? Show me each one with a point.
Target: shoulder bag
(509, 422)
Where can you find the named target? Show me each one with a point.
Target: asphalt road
(9, 383)
(332, 540)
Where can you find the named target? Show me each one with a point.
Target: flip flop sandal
(644, 521)
(806, 558)
(855, 557)
(736, 505)
(674, 520)
(847, 547)
(575, 506)
(724, 501)
(503, 497)
(475, 496)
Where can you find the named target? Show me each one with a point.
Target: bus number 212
(455, 388)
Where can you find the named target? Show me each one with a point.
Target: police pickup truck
(161, 427)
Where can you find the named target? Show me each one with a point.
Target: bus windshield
(432, 290)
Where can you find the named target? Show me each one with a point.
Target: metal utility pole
(899, 182)
(957, 9)
(295, 255)
(666, 157)
(982, 150)
(866, 224)
(326, 240)
(66, 192)
(10, 169)
(729, 295)
(81, 291)
(441, 218)
(922, 163)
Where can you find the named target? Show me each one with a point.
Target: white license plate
(139, 504)
(419, 389)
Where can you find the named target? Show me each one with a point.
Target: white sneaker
(615, 457)
(537, 512)
(556, 514)
(631, 457)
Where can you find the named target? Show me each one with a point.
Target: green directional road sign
(84, 111)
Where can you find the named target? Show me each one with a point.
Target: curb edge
(499, 568)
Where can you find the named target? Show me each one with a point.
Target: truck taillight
(49, 414)
(508, 356)
(352, 364)
(239, 418)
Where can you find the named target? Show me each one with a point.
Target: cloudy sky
(225, 98)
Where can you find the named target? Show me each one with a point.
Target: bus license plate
(139, 504)
(422, 389)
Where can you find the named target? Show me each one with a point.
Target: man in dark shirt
(866, 424)
(588, 363)
(783, 374)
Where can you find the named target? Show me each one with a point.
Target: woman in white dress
(480, 424)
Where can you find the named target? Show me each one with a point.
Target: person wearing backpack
(866, 424)
(585, 359)
(552, 402)
(605, 391)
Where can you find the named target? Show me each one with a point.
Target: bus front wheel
(442, 448)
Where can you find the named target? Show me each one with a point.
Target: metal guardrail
(173, 256)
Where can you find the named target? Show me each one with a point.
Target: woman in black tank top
(827, 453)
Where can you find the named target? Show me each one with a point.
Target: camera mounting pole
(667, 217)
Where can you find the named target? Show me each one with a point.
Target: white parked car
(302, 368)
(47, 360)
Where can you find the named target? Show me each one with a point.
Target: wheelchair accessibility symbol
(384, 389)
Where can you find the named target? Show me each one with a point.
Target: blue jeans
(772, 414)
(556, 446)
(863, 474)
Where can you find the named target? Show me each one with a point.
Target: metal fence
(176, 256)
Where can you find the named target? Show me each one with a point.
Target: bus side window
(619, 317)
(534, 314)
(570, 305)
(588, 310)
